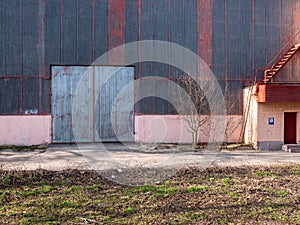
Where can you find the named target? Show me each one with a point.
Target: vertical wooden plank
(107, 97)
(69, 32)
(65, 81)
(12, 37)
(52, 34)
(30, 38)
(84, 43)
(116, 32)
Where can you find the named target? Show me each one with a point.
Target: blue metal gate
(85, 104)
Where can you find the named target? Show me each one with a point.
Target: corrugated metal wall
(234, 37)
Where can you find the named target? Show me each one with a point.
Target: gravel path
(112, 156)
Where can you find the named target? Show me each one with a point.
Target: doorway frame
(285, 127)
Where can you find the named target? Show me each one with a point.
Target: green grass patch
(225, 181)
(262, 173)
(197, 188)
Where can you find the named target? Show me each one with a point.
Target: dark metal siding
(234, 37)
(247, 34)
(100, 27)
(69, 32)
(30, 36)
(52, 34)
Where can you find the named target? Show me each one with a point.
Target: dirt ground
(58, 185)
(217, 195)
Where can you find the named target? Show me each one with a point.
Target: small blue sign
(271, 121)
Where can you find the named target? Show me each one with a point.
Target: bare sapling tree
(193, 109)
(225, 121)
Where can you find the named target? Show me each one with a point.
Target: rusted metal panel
(205, 32)
(233, 36)
(29, 18)
(12, 38)
(98, 96)
(116, 29)
(278, 93)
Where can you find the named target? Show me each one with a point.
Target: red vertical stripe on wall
(116, 30)
(205, 31)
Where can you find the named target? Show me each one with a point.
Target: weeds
(262, 174)
(197, 188)
(225, 181)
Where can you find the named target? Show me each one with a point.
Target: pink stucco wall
(174, 129)
(25, 130)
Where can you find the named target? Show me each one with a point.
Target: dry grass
(244, 195)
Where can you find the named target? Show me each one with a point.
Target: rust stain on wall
(116, 29)
(204, 28)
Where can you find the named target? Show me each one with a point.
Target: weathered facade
(272, 121)
(236, 38)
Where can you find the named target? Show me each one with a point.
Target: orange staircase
(270, 73)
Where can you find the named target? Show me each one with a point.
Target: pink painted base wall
(25, 130)
(174, 129)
